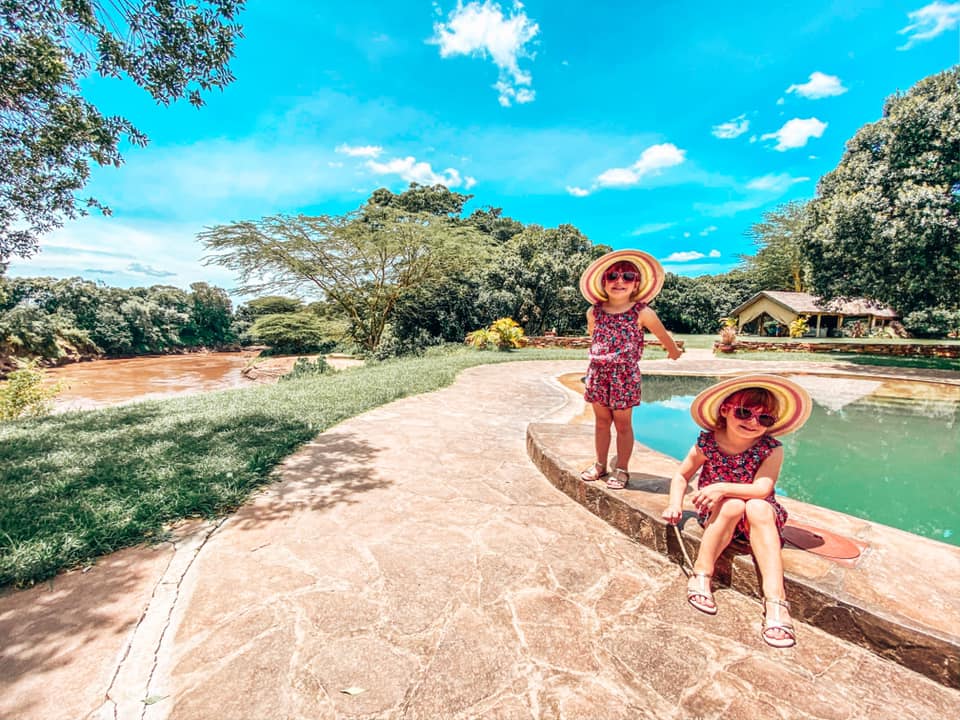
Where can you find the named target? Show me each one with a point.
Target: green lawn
(83, 484)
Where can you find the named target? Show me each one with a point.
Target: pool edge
(840, 598)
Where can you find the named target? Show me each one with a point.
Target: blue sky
(669, 127)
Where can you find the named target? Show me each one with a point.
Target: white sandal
(594, 472)
(698, 586)
(772, 620)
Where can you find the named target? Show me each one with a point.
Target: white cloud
(819, 86)
(707, 230)
(684, 256)
(367, 151)
(732, 128)
(713, 254)
(774, 183)
(419, 172)
(780, 101)
(577, 191)
(652, 160)
(686, 234)
(652, 228)
(482, 29)
(930, 21)
(469, 182)
(795, 133)
(124, 254)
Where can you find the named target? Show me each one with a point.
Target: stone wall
(575, 342)
(900, 349)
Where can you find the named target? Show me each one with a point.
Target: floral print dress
(613, 376)
(739, 468)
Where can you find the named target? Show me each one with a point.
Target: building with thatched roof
(770, 312)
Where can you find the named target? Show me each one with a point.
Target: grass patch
(83, 484)
(924, 363)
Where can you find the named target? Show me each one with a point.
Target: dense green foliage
(49, 318)
(49, 134)
(292, 333)
(695, 305)
(106, 479)
(885, 224)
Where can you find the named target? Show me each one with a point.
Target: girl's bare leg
(717, 534)
(765, 543)
(623, 421)
(601, 435)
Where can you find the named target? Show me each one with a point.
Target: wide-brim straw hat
(793, 402)
(651, 275)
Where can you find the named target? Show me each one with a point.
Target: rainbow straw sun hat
(793, 402)
(651, 275)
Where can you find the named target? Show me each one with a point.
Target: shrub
(934, 322)
(503, 334)
(799, 327)
(728, 330)
(24, 394)
(305, 368)
(291, 333)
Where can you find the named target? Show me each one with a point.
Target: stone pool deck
(413, 563)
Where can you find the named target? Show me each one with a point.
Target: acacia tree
(885, 224)
(362, 261)
(49, 134)
(779, 263)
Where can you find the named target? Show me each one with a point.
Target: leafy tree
(885, 224)
(780, 263)
(49, 134)
(696, 305)
(491, 221)
(431, 199)
(274, 305)
(444, 309)
(291, 333)
(211, 317)
(534, 279)
(363, 261)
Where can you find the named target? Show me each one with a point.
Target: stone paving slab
(415, 556)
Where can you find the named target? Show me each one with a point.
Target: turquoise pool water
(886, 459)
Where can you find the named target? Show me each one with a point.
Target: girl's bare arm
(649, 320)
(678, 484)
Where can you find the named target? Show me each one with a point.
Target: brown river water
(110, 382)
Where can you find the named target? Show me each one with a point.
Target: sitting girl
(739, 462)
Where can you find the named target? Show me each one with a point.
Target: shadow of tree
(79, 485)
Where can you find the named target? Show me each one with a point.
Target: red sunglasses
(764, 419)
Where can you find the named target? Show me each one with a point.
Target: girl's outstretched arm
(591, 322)
(678, 484)
(649, 319)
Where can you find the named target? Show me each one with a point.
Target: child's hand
(707, 498)
(672, 514)
(675, 353)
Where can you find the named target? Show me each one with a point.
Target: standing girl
(618, 286)
(739, 462)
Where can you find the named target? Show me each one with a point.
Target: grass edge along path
(83, 484)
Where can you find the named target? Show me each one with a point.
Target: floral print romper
(613, 376)
(739, 468)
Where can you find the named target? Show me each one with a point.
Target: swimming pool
(885, 451)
